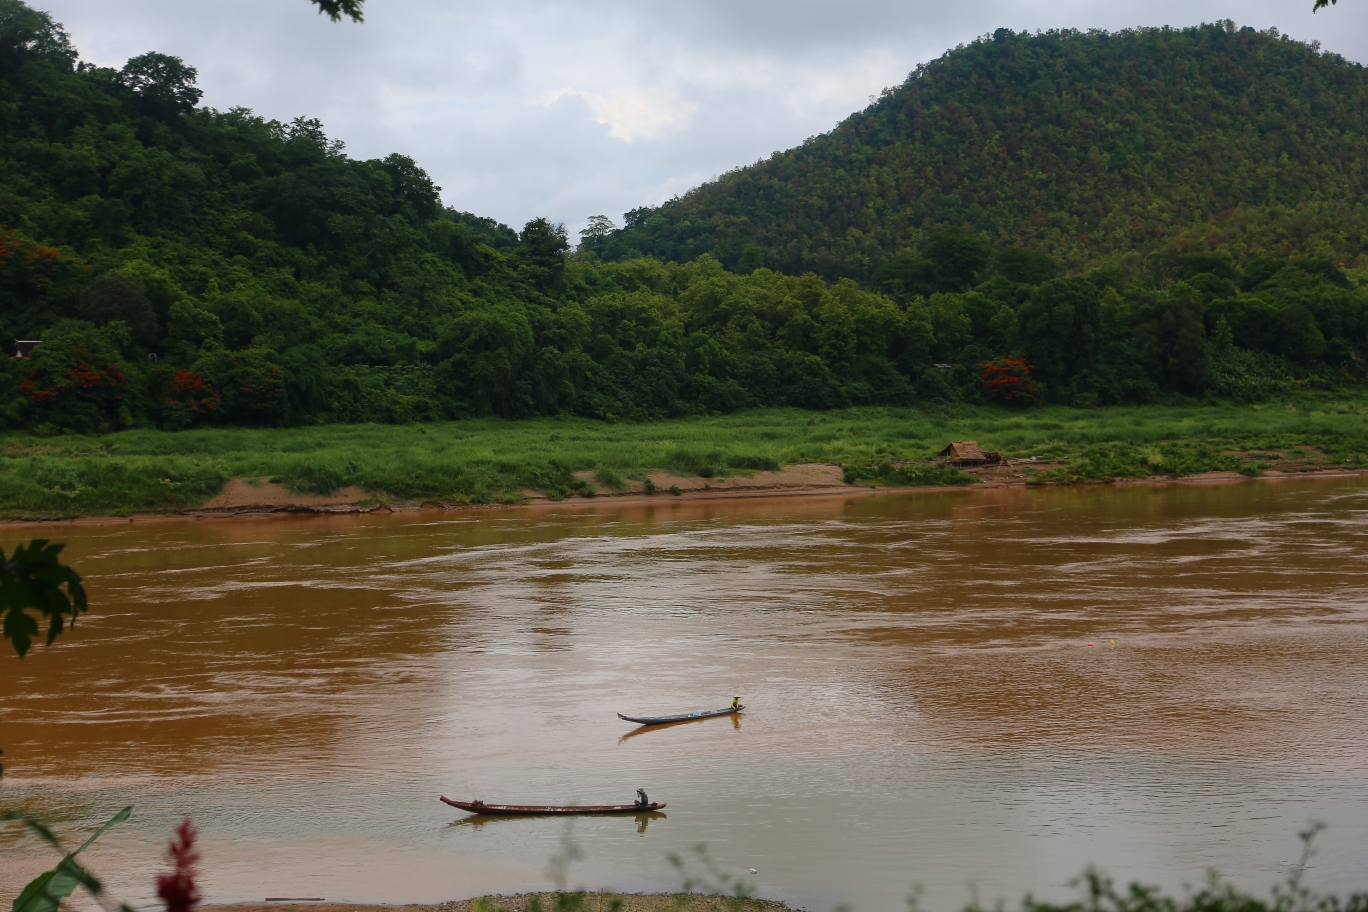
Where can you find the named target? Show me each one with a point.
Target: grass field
(488, 459)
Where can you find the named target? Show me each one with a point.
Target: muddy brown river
(977, 692)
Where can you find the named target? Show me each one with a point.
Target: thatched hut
(964, 453)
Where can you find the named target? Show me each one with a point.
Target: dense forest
(184, 266)
(1078, 144)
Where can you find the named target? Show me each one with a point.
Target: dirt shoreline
(258, 498)
(518, 902)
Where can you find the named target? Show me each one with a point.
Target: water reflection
(480, 820)
(662, 726)
(923, 704)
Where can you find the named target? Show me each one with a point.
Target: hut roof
(963, 452)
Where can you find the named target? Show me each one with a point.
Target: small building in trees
(23, 348)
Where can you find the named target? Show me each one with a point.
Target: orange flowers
(191, 394)
(81, 380)
(1009, 381)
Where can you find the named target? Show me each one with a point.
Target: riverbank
(521, 902)
(779, 452)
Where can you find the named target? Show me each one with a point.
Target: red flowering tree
(191, 397)
(26, 264)
(78, 381)
(36, 273)
(76, 378)
(1009, 382)
(251, 384)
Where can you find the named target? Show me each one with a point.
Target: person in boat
(736, 703)
(642, 801)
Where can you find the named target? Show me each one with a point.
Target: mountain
(181, 266)
(1083, 145)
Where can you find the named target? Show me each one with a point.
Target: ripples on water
(923, 706)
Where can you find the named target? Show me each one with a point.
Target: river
(979, 693)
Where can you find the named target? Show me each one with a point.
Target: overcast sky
(523, 108)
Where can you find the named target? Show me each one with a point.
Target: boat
(479, 807)
(683, 717)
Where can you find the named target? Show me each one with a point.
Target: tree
(1060, 323)
(599, 227)
(336, 9)
(165, 84)
(1026, 267)
(1009, 382)
(30, 34)
(542, 252)
(956, 258)
(484, 352)
(115, 296)
(752, 258)
(1321, 4)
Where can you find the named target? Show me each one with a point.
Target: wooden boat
(479, 807)
(684, 717)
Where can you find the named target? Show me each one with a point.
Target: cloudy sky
(569, 108)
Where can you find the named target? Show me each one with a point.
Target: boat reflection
(735, 717)
(479, 820)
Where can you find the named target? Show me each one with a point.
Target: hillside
(1082, 145)
(183, 267)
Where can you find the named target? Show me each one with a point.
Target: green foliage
(609, 478)
(489, 460)
(32, 578)
(47, 891)
(336, 9)
(187, 268)
(887, 472)
(1077, 144)
(94, 481)
(1108, 462)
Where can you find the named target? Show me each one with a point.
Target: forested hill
(180, 266)
(1080, 144)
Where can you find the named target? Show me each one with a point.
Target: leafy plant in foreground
(32, 578)
(47, 891)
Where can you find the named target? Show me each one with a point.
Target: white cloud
(631, 112)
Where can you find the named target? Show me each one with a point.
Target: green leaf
(37, 826)
(112, 821)
(33, 577)
(19, 628)
(46, 891)
(34, 896)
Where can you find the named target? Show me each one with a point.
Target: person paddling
(642, 801)
(736, 703)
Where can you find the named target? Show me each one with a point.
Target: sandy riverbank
(519, 902)
(242, 497)
(261, 497)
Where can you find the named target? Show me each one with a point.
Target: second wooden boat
(683, 717)
(479, 807)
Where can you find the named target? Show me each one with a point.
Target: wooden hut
(23, 348)
(964, 453)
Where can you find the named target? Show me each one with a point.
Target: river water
(977, 692)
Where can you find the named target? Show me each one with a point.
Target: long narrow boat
(479, 807)
(683, 717)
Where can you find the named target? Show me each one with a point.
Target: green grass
(489, 460)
